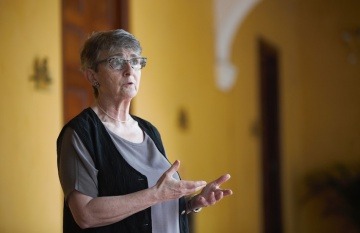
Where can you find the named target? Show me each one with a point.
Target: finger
(205, 201)
(174, 168)
(222, 179)
(212, 199)
(193, 186)
(219, 195)
(227, 192)
(201, 202)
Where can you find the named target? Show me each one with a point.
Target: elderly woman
(112, 165)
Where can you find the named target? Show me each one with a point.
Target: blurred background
(268, 91)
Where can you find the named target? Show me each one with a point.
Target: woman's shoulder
(147, 126)
(85, 114)
(84, 119)
(143, 123)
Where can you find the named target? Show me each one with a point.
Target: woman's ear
(90, 76)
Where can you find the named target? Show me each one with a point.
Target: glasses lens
(116, 63)
(137, 63)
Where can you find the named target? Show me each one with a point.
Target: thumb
(174, 168)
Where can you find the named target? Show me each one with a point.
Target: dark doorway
(79, 19)
(270, 143)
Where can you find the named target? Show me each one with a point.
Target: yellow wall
(30, 197)
(319, 97)
(330, 93)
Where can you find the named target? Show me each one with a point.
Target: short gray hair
(106, 41)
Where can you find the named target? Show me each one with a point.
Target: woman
(112, 165)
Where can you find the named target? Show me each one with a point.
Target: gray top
(77, 172)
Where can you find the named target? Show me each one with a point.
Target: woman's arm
(100, 211)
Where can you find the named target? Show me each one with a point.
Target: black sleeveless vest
(115, 176)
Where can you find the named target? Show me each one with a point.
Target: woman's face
(120, 83)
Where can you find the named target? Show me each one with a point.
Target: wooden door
(79, 19)
(270, 138)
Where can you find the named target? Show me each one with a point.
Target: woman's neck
(116, 111)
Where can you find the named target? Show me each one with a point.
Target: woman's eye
(116, 63)
(135, 61)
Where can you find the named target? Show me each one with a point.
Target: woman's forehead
(126, 53)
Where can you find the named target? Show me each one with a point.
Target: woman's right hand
(169, 188)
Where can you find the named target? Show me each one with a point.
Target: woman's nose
(128, 68)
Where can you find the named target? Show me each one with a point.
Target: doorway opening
(79, 20)
(270, 137)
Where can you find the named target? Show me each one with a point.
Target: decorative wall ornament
(183, 119)
(41, 76)
(229, 14)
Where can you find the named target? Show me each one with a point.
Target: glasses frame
(126, 60)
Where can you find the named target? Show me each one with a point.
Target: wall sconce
(351, 39)
(41, 75)
(183, 119)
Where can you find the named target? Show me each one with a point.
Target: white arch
(229, 14)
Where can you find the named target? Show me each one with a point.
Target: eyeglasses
(118, 63)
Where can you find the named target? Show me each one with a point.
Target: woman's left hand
(210, 194)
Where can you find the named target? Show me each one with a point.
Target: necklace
(125, 121)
